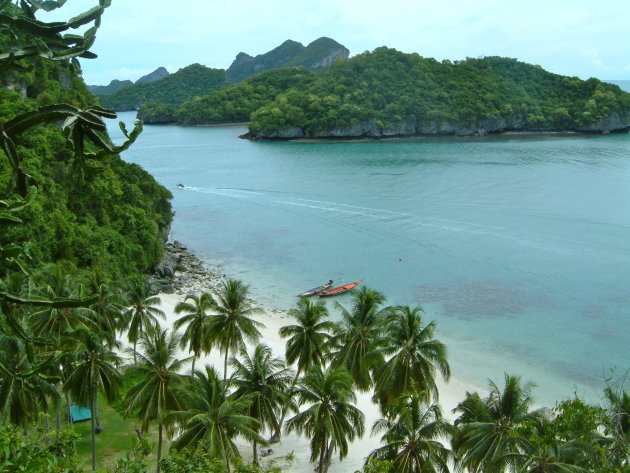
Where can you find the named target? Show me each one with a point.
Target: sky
(569, 37)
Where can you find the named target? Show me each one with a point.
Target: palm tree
(266, 380)
(55, 323)
(142, 311)
(413, 438)
(24, 388)
(232, 326)
(196, 321)
(547, 453)
(94, 369)
(108, 306)
(156, 395)
(214, 418)
(359, 337)
(309, 341)
(617, 425)
(330, 421)
(489, 431)
(414, 357)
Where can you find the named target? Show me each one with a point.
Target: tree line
(400, 93)
(50, 358)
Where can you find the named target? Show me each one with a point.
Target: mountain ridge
(320, 53)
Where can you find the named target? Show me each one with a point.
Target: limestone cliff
(319, 54)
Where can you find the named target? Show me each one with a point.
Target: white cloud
(144, 34)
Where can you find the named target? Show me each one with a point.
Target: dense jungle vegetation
(389, 88)
(235, 103)
(389, 92)
(108, 214)
(174, 89)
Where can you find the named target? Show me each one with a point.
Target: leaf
(56, 303)
(6, 217)
(47, 5)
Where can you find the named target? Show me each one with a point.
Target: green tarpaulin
(79, 413)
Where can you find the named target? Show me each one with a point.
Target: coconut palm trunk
(255, 452)
(323, 451)
(159, 453)
(225, 364)
(276, 435)
(93, 422)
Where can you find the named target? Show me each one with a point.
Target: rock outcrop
(182, 272)
(615, 123)
(319, 54)
(159, 73)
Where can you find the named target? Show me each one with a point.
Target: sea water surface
(518, 246)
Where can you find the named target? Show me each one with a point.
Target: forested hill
(319, 54)
(174, 89)
(389, 93)
(234, 103)
(112, 87)
(113, 218)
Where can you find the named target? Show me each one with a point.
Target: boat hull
(340, 289)
(316, 290)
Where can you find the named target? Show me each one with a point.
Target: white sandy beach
(451, 394)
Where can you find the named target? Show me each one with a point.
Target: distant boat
(316, 290)
(340, 289)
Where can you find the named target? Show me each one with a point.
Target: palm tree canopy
(24, 387)
(232, 327)
(330, 421)
(265, 379)
(141, 312)
(413, 437)
(196, 320)
(359, 337)
(109, 304)
(156, 394)
(212, 416)
(414, 356)
(488, 437)
(309, 339)
(94, 367)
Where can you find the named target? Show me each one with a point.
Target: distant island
(196, 80)
(174, 88)
(387, 93)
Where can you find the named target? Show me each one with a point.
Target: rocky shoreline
(182, 272)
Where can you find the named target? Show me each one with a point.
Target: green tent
(78, 413)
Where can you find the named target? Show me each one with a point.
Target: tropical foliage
(235, 103)
(331, 421)
(389, 92)
(175, 88)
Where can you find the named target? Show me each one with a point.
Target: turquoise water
(518, 246)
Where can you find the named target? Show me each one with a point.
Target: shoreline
(191, 275)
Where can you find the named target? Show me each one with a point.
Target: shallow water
(518, 246)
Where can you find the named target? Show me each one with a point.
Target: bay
(516, 245)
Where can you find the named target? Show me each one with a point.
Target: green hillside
(110, 88)
(113, 217)
(232, 104)
(175, 88)
(389, 93)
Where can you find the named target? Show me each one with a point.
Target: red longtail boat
(340, 289)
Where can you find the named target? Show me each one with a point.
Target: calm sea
(517, 246)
